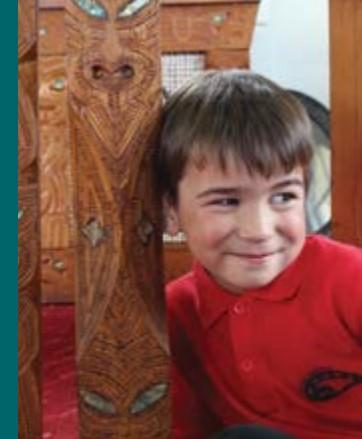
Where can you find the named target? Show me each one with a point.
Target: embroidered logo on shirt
(325, 384)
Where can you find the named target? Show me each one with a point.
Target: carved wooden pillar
(28, 217)
(113, 64)
(346, 119)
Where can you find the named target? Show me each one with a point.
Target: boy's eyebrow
(293, 181)
(217, 191)
(288, 182)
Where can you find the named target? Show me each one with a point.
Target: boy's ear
(171, 221)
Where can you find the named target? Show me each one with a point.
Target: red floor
(60, 420)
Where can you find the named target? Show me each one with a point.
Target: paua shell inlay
(58, 84)
(58, 265)
(146, 399)
(92, 8)
(133, 7)
(145, 230)
(98, 403)
(94, 232)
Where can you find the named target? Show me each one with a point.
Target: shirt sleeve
(191, 419)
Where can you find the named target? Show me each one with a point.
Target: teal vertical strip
(8, 222)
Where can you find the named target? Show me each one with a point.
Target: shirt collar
(214, 300)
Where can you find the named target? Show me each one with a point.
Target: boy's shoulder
(337, 270)
(186, 281)
(182, 291)
(334, 266)
(183, 307)
(334, 253)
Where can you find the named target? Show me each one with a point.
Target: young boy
(267, 327)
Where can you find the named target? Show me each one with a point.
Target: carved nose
(111, 77)
(123, 71)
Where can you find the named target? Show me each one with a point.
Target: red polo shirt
(288, 355)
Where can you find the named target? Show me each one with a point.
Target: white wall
(291, 45)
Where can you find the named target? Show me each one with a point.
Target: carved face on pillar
(115, 73)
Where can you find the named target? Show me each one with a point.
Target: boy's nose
(255, 225)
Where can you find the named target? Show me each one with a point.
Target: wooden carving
(346, 119)
(114, 80)
(57, 215)
(28, 242)
(56, 194)
(204, 25)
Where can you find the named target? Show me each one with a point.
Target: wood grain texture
(177, 260)
(58, 275)
(28, 227)
(227, 59)
(57, 212)
(346, 119)
(51, 32)
(114, 97)
(203, 27)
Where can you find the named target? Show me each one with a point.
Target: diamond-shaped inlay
(95, 233)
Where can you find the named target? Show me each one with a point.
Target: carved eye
(132, 8)
(92, 8)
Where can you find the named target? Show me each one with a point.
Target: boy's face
(244, 229)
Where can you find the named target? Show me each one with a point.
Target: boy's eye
(225, 202)
(283, 198)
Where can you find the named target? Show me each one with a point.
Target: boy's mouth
(254, 256)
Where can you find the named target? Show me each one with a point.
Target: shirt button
(239, 308)
(247, 365)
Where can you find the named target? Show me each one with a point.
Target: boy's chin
(244, 285)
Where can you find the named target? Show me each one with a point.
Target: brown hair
(232, 111)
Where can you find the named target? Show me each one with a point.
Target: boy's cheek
(211, 235)
(295, 229)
